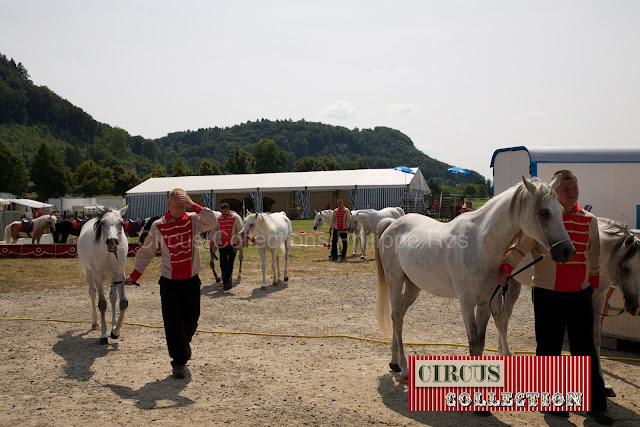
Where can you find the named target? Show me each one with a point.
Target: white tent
(375, 188)
(30, 203)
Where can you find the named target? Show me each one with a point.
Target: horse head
(623, 269)
(536, 209)
(110, 224)
(317, 221)
(354, 221)
(51, 222)
(146, 226)
(250, 223)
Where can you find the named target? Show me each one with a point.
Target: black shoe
(561, 414)
(342, 258)
(333, 258)
(227, 286)
(601, 417)
(178, 372)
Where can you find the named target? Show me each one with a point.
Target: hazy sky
(460, 78)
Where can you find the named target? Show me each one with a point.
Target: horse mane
(621, 230)
(97, 227)
(41, 219)
(266, 219)
(515, 205)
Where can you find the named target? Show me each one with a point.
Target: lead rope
(537, 260)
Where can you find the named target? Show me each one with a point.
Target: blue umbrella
(405, 169)
(458, 170)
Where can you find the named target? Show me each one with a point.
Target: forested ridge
(40, 129)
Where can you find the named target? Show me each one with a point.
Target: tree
(51, 178)
(434, 186)
(13, 174)
(92, 179)
(123, 181)
(469, 191)
(180, 168)
(208, 168)
(306, 164)
(239, 161)
(330, 164)
(269, 157)
(482, 192)
(361, 163)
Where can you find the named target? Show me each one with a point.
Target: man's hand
(502, 279)
(128, 281)
(184, 198)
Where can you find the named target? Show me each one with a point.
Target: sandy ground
(55, 373)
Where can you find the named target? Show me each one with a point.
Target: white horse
(365, 222)
(213, 248)
(102, 248)
(15, 230)
(271, 230)
(619, 264)
(460, 259)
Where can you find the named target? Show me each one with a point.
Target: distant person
(175, 235)
(340, 226)
(426, 207)
(227, 242)
(436, 207)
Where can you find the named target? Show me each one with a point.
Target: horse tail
(383, 304)
(7, 234)
(400, 211)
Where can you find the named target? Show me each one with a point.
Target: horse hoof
(103, 341)
(239, 277)
(361, 256)
(608, 391)
(404, 378)
(115, 337)
(95, 327)
(395, 367)
(264, 288)
(217, 280)
(286, 278)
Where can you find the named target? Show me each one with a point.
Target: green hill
(30, 115)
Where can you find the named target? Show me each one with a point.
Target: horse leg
(92, 295)
(364, 246)
(240, 255)
(287, 248)
(264, 268)
(396, 298)
(124, 303)
(275, 265)
(598, 301)
(467, 306)
(483, 314)
(98, 282)
(212, 264)
(502, 320)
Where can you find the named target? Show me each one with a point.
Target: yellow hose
(267, 334)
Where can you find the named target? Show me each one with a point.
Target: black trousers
(557, 312)
(180, 313)
(227, 257)
(334, 243)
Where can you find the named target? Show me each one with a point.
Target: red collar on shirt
(168, 217)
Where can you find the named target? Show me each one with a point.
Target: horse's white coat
(271, 231)
(38, 226)
(460, 259)
(105, 257)
(365, 222)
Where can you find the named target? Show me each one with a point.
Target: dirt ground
(55, 373)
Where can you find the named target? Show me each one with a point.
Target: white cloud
(399, 108)
(339, 110)
(534, 115)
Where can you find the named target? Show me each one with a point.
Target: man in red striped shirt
(340, 226)
(227, 241)
(562, 292)
(175, 234)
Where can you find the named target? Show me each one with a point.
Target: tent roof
(30, 203)
(576, 154)
(285, 181)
